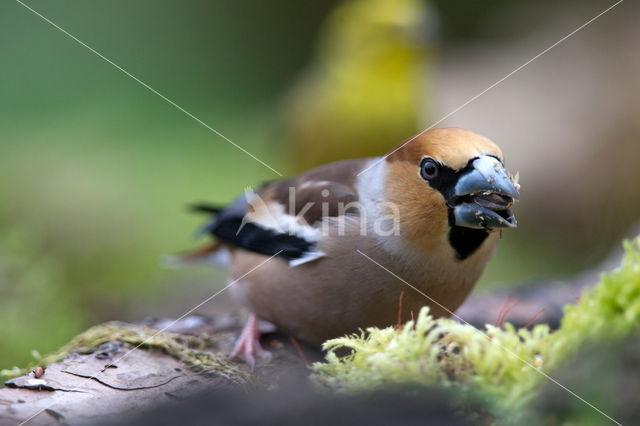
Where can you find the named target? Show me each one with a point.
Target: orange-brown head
(450, 184)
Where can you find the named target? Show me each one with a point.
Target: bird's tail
(216, 254)
(205, 208)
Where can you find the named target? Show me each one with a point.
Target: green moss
(190, 350)
(501, 366)
(610, 311)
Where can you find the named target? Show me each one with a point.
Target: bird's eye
(428, 169)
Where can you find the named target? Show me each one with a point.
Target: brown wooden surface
(80, 390)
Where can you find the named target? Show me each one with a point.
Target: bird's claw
(248, 346)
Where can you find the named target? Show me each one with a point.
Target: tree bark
(119, 376)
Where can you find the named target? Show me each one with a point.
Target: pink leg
(247, 346)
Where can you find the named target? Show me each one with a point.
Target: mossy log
(117, 369)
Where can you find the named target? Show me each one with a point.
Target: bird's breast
(358, 284)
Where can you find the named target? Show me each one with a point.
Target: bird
(368, 83)
(308, 253)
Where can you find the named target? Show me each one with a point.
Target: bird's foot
(248, 346)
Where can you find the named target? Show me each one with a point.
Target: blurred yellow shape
(367, 86)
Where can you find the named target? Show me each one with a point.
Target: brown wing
(322, 192)
(279, 218)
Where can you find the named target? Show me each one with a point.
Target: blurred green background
(96, 170)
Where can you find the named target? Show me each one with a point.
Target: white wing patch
(272, 215)
(314, 183)
(308, 257)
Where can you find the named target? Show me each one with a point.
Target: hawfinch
(431, 213)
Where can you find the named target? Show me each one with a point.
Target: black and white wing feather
(284, 218)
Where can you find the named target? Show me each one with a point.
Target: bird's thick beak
(483, 196)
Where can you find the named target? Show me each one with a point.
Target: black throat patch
(464, 241)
